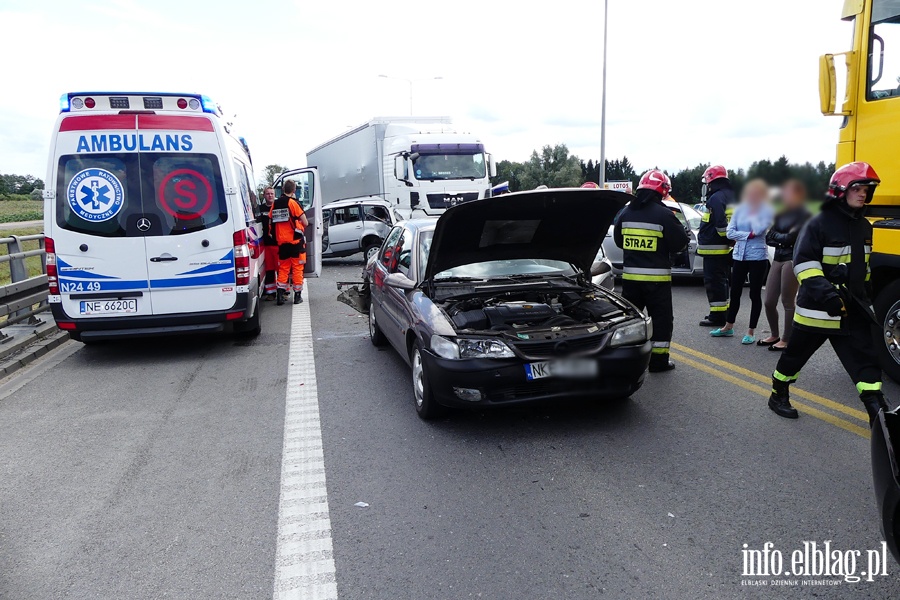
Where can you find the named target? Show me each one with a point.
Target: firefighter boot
(660, 363)
(780, 400)
(280, 297)
(874, 401)
(298, 298)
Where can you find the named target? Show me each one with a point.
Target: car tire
(370, 250)
(423, 398)
(250, 328)
(376, 336)
(886, 306)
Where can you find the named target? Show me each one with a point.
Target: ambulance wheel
(887, 342)
(249, 328)
(375, 333)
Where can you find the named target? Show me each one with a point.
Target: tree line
(20, 185)
(554, 166)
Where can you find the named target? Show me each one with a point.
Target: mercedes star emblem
(143, 224)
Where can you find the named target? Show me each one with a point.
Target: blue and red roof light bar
(206, 103)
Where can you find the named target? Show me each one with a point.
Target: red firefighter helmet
(855, 173)
(657, 181)
(713, 173)
(592, 185)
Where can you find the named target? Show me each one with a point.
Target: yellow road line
(795, 391)
(814, 412)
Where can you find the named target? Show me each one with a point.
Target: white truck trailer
(420, 165)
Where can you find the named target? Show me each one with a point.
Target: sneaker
(720, 332)
(748, 339)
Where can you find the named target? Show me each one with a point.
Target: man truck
(420, 165)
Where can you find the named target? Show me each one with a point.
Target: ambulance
(151, 218)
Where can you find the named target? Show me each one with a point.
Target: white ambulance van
(150, 213)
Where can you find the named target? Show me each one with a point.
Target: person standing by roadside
(782, 283)
(270, 246)
(747, 228)
(713, 244)
(834, 302)
(649, 233)
(288, 224)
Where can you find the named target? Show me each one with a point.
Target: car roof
(355, 201)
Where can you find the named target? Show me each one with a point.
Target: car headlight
(469, 348)
(632, 334)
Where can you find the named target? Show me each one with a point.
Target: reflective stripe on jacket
(711, 237)
(648, 233)
(826, 241)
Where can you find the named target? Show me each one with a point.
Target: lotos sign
(619, 186)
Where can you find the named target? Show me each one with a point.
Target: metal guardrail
(24, 297)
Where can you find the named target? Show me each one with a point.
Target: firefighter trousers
(291, 268)
(854, 351)
(656, 297)
(716, 273)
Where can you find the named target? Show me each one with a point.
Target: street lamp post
(603, 101)
(410, 82)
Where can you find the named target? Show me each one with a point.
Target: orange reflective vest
(284, 219)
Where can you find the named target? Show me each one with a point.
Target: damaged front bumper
(356, 295)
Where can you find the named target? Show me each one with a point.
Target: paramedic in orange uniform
(289, 224)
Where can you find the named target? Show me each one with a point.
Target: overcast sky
(690, 81)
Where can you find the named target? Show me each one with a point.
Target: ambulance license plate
(566, 369)
(108, 307)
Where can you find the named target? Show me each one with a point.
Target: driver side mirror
(600, 268)
(400, 282)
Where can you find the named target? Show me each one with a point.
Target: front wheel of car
(426, 406)
(375, 334)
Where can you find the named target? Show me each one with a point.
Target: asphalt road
(151, 470)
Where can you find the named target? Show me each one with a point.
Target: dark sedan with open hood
(492, 304)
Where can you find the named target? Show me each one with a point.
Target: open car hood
(556, 224)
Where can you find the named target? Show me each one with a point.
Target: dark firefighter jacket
(711, 238)
(784, 231)
(836, 236)
(648, 233)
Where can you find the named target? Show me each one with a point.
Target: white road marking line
(304, 563)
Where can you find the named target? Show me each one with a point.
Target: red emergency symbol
(185, 194)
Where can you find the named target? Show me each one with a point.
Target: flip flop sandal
(765, 343)
(774, 348)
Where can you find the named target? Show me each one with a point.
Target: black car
(886, 472)
(492, 304)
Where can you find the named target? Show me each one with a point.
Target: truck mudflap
(886, 475)
(356, 296)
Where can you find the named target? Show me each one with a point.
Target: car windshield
(432, 167)
(693, 217)
(494, 268)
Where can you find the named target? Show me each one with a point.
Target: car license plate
(108, 307)
(566, 369)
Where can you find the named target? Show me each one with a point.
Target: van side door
(310, 198)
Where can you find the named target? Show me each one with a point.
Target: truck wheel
(887, 342)
(426, 406)
(375, 334)
(371, 250)
(252, 326)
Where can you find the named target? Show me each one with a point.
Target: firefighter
(831, 261)
(288, 224)
(713, 245)
(648, 233)
(270, 247)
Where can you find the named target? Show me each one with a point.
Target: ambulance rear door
(95, 216)
(190, 240)
(310, 198)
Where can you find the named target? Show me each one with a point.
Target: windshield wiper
(457, 279)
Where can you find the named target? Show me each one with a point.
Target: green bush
(18, 198)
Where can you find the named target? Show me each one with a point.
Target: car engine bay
(523, 313)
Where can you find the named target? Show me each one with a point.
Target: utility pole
(603, 102)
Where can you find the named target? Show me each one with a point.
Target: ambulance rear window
(99, 194)
(184, 192)
(131, 194)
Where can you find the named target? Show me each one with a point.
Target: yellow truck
(870, 132)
